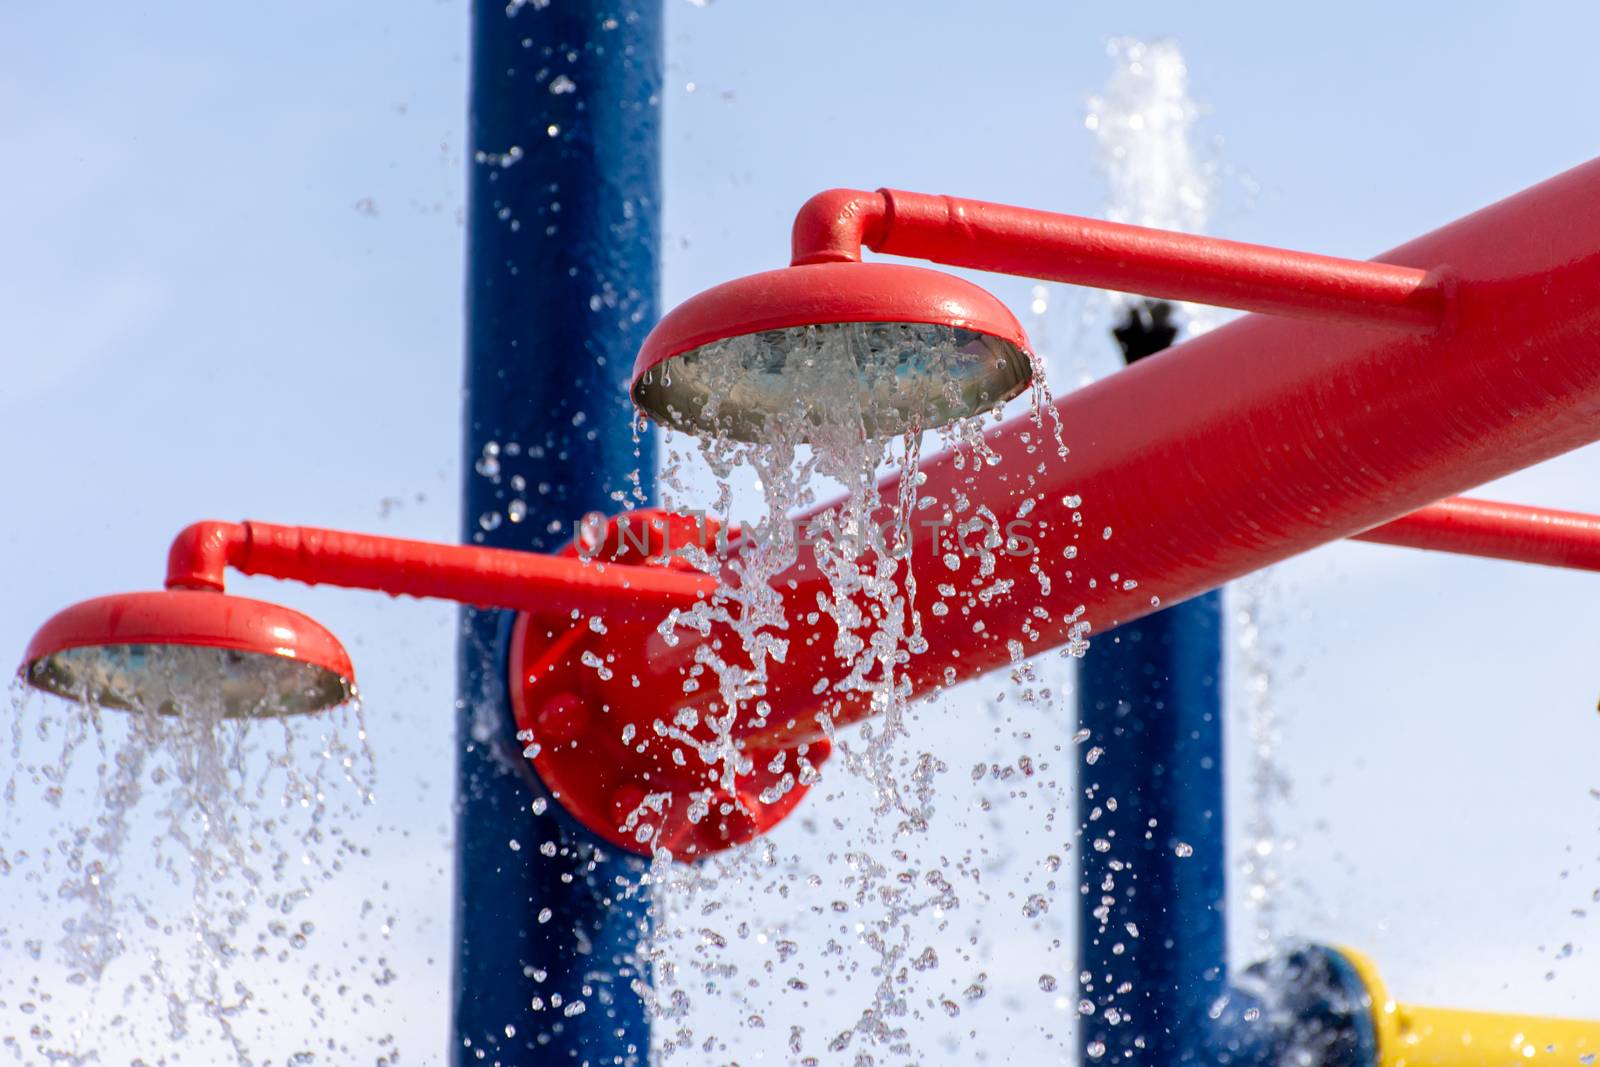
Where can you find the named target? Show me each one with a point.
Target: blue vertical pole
(1152, 936)
(1152, 926)
(562, 275)
(1151, 930)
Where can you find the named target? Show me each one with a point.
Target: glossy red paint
(1242, 447)
(1499, 531)
(468, 574)
(826, 292)
(833, 226)
(603, 734)
(598, 747)
(605, 743)
(198, 557)
(191, 617)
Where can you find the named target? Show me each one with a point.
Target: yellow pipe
(1409, 1036)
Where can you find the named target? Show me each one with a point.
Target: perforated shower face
(167, 651)
(888, 347)
(167, 679)
(888, 377)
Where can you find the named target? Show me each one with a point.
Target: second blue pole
(1152, 933)
(1156, 985)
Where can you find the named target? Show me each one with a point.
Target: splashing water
(1269, 783)
(1144, 127)
(870, 603)
(882, 886)
(162, 679)
(838, 387)
(210, 830)
(1143, 122)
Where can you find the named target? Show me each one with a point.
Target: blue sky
(232, 262)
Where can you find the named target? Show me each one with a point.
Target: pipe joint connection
(834, 225)
(200, 555)
(619, 741)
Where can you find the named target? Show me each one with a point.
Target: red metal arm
(833, 227)
(1500, 531)
(553, 586)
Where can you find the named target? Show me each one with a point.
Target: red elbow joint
(833, 226)
(199, 556)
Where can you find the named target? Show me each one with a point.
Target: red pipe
(199, 555)
(1237, 449)
(550, 586)
(1499, 531)
(833, 226)
(587, 754)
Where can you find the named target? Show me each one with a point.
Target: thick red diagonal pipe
(1240, 448)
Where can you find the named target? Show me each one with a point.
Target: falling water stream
(844, 381)
(210, 832)
(888, 899)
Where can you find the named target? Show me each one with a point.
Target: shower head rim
(822, 294)
(192, 618)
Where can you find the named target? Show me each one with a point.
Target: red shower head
(144, 651)
(900, 347)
